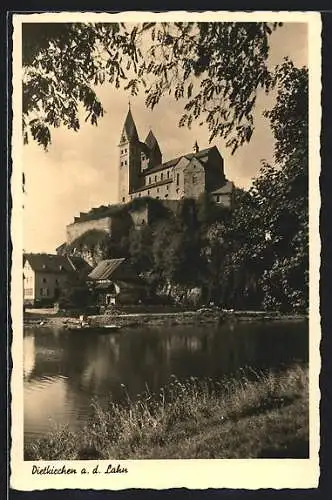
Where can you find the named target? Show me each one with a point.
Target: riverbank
(255, 416)
(202, 316)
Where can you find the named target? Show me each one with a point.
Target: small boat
(93, 329)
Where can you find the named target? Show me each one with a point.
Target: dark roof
(201, 155)
(226, 188)
(130, 128)
(151, 141)
(113, 269)
(45, 262)
(79, 263)
(105, 269)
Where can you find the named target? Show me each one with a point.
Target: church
(142, 172)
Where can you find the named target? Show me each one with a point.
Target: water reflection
(63, 371)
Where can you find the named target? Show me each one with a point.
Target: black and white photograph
(165, 298)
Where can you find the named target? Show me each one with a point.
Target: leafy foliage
(63, 65)
(216, 68)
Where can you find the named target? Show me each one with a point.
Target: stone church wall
(194, 179)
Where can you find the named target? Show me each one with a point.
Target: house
(116, 282)
(45, 275)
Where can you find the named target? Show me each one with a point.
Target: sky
(79, 171)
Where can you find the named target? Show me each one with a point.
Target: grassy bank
(255, 416)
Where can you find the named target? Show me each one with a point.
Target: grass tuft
(251, 416)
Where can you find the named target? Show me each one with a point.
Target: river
(64, 371)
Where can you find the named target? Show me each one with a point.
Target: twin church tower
(143, 174)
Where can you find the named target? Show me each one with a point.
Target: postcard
(165, 262)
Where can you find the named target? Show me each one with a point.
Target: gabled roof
(105, 269)
(43, 262)
(129, 128)
(200, 155)
(227, 188)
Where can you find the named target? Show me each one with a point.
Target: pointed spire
(151, 140)
(155, 153)
(129, 131)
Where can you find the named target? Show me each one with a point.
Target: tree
(282, 193)
(216, 68)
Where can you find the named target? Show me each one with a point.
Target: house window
(167, 174)
(149, 180)
(139, 195)
(125, 162)
(44, 280)
(157, 190)
(167, 187)
(218, 198)
(123, 198)
(161, 176)
(125, 150)
(177, 179)
(155, 178)
(122, 164)
(148, 192)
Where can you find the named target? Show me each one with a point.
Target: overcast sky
(80, 169)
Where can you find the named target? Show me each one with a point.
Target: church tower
(129, 159)
(155, 156)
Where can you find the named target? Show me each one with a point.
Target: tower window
(167, 187)
(125, 162)
(155, 178)
(149, 180)
(177, 179)
(194, 179)
(157, 190)
(123, 198)
(167, 174)
(161, 176)
(122, 164)
(125, 150)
